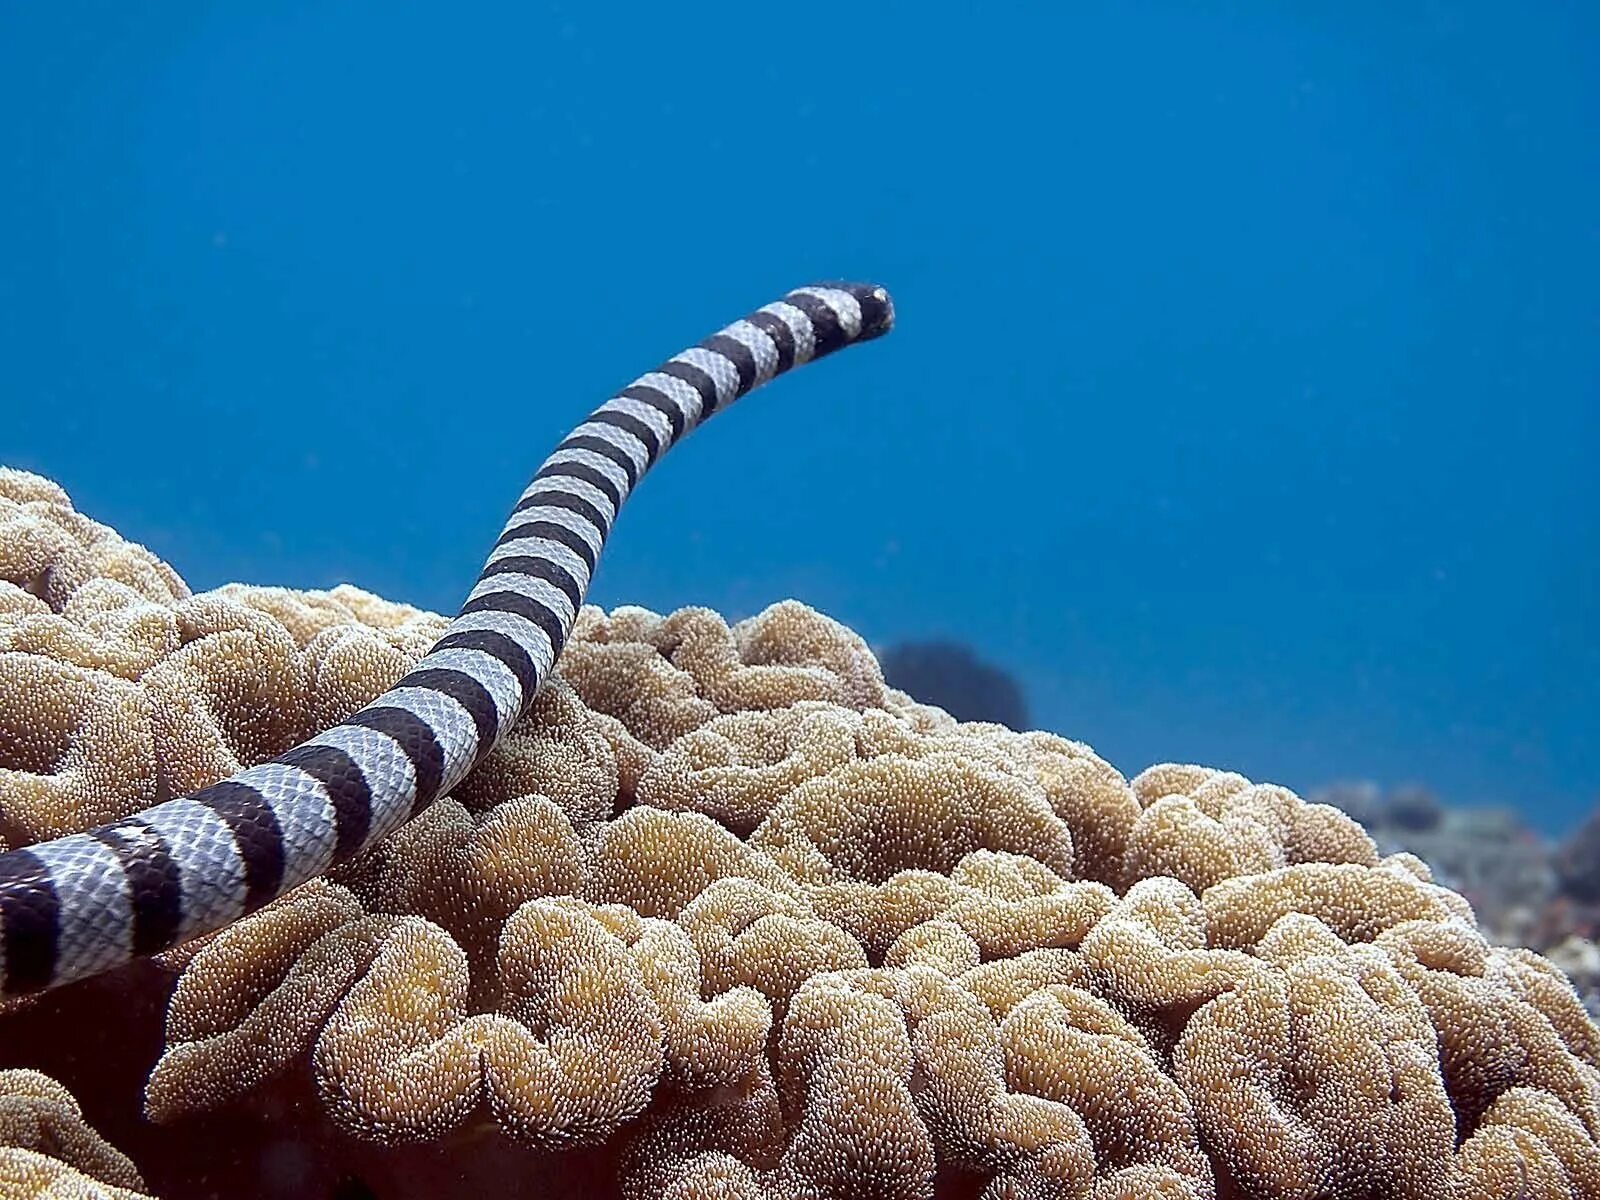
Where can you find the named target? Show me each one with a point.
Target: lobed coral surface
(727, 917)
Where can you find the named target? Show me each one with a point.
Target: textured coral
(1523, 890)
(120, 688)
(48, 1150)
(728, 917)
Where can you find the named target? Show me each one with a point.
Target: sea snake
(80, 905)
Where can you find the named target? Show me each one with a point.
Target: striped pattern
(82, 904)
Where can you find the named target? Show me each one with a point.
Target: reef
(1525, 889)
(729, 916)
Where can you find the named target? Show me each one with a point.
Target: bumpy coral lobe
(47, 1149)
(727, 917)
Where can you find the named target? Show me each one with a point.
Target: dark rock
(1413, 808)
(1577, 862)
(1360, 798)
(951, 676)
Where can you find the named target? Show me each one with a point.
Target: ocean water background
(1245, 403)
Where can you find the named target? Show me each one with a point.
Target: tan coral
(469, 873)
(600, 1045)
(619, 672)
(940, 944)
(1067, 1046)
(232, 694)
(1023, 1142)
(657, 862)
(252, 1000)
(103, 626)
(1538, 981)
(1088, 793)
(665, 676)
(869, 820)
(924, 718)
(720, 1042)
(1005, 983)
(558, 751)
(727, 1150)
(1152, 955)
(121, 689)
(47, 1149)
(1170, 779)
(1224, 827)
(746, 934)
(49, 550)
(792, 649)
(76, 748)
(876, 915)
(745, 922)
(1278, 1064)
(1491, 1037)
(633, 757)
(401, 1060)
(577, 1052)
(1011, 903)
(734, 768)
(1357, 902)
(1528, 1145)
(306, 615)
(846, 1061)
(781, 656)
(888, 842)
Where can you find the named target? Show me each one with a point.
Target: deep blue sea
(1245, 403)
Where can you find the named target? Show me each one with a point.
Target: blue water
(1245, 404)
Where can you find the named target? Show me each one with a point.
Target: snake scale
(82, 904)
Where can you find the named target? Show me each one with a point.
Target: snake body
(79, 905)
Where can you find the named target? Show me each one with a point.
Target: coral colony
(719, 914)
